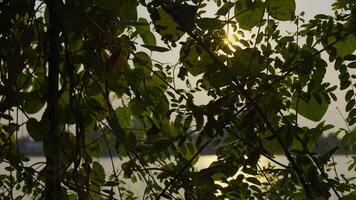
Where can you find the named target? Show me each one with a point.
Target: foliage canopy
(81, 72)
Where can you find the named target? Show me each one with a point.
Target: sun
(230, 37)
(229, 42)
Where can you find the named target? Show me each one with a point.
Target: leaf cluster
(115, 98)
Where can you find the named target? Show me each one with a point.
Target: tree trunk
(52, 141)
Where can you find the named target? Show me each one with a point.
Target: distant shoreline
(32, 148)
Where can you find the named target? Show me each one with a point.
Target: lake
(204, 162)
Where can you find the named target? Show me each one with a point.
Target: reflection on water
(203, 162)
(341, 160)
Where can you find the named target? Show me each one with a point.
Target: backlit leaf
(282, 9)
(188, 150)
(209, 23)
(98, 172)
(246, 62)
(310, 108)
(345, 46)
(248, 14)
(166, 26)
(195, 59)
(145, 33)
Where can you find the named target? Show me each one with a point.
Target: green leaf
(247, 62)
(67, 146)
(225, 8)
(94, 150)
(97, 104)
(72, 197)
(138, 106)
(166, 26)
(38, 129)
(310, 108)
(218, 176)
(271, 144)
(187, 122)
(145, 33)
(253, 180)
(188, 150)
(33, 103)
(325, 157)
(127, 10)
(344, 47)
(195, 59)
(183, 14)
(107, 4)
(248, 14)
(282, 9)
(316, 184)
(218, 79)
(98, 173)
(133, 23)
(209, 23)
(287, 136)
(143, 61)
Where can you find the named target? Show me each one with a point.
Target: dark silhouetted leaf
(349, 95)
(225, 8)
(38, 129)
(350, 105)
(155, 48)
(352, 65)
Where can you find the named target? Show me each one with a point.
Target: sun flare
(231, 37)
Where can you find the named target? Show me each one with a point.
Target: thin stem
(323, 173)
(343, 118)
(112, 164)
(267, 179)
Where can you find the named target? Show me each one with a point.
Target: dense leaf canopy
(80, 77)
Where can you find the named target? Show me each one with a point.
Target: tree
(64, 63)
